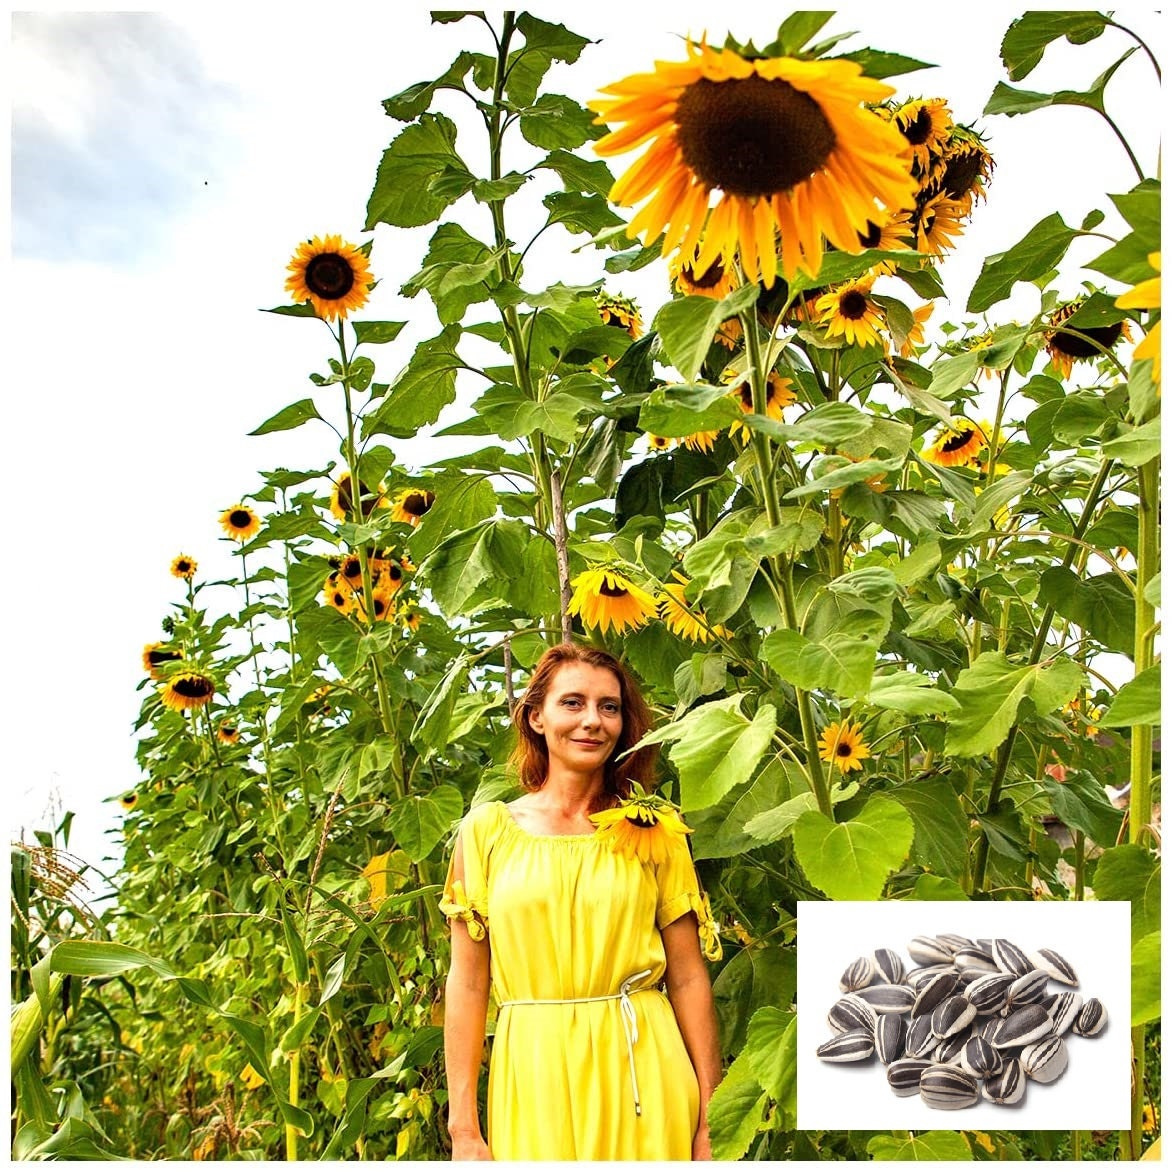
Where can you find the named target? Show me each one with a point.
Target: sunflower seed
(1023, 1026)
(853, 1046)
(948, 1052)
(980, 1059)
(933, 991)
(952, 1015)
(887, 998)
(1027, 990)
(1091, 1018)
(928, 950)
(917, 977)
(920, 1041)
(1008, 1086)
(889, 1035)
(859, 974)
(1055, 964)
(954, 942)
(903, 1076)
(1010, 959)
(1063, 1008)
(987, 1028)
(988, 991)
(851, 1013)
(1044, 1061)
(947, 1088)
(975, 958)
(889, 965)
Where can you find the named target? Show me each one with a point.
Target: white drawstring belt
(626, 1011)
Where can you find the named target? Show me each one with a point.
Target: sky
(165, 164)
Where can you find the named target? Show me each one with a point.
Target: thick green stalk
(294, 1076)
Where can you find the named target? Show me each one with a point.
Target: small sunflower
(184, 567)
(350, 568)
(842, 744)
(1146, 295)
(331, 274)
(128, 800)
(893, 232)
(925, 123)
(338, 593)
(382, 597)
(690, 624)
(188, 689)
(410, 505)
(240, 522)
(342, 497)
(410, 618)
(938, 220)
(779, 394)
(788, 144)
(966, 166)
(915, 336)
(228, 732)
(700, 441)
(718, 280)
(386, 575)
(956, 445)
(620, 312)
(847, 311)
(1065, 349)
(641, 828)
(154, 655)
(608, 598)
(660, 443)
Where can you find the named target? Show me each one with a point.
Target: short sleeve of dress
(680, 893)
(466, 899)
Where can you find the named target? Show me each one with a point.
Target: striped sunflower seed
(953, 1015)
(887, 998)
(1027, 990)
(852, 1046)
(975, 958)
(903, 1075)
(859, 974)
(987, 1028)
(928, 950)
(1091, 1018)
(947, 1088)
(989, 991)
(920, 1041)
(1055, 964)
(1010, 959)
(980, 1059)
(933, 991)
(954, 942)
(889, 1036)
(949, 1050)
(1045, 1060)
(889, 966)
(1008, 1086)
(851, 1013)
(1023, 1026)
(1063, 1009)
(918, 976)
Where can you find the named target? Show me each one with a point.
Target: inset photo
(960, 1015)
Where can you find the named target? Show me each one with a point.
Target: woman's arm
(465, 1012)
(690, 992)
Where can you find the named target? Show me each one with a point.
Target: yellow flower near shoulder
(708, 928)
(184, 567)
(331, 274)
(1146, 295)
(788, 144)
(240, 522)
(456, 907)
(251, 1078)
(641, 828)
(842, 744)
(608, 598)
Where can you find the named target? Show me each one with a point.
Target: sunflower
(924, 123)
(342, 497)
(228, 732)
(338, 593)
(154, 655)
(842, 744)
(128, 800)
(608, 598)
(641, 828)
(350, 568)
(407, 564)
(188, 689)
(673, 610)
(729, 333)
(331, 274)
(956, 445)
(410, 505)
(788, 144)
(386, 576)
(937, 221)
(410, 618)
(381, 597)
(620, 312)
(184, 567)
(660, 443)
(1146, 295)
(915, 336)
(1065, 349)
(718, 280)
(894, 231)
(966, 167)
(240, 522)
(700, 441)
(779, 394)
(847, 311)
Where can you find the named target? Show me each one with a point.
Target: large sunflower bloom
(788, 144)
(184, 567)
(607, 598)
(1065, 349)
(240, 522)
(956, 445)
(154, 655)
(331, 274)
(690, 624)
(410, 505)
(925, 123)
(779, 394)
(847, 311)
(1146, 295)
(620, 312)
(640, 828)
(718, 280)
(842, 744)
(188, 689)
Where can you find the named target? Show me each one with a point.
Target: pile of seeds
(976, 1017)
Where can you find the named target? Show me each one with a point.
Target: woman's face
(581, 717)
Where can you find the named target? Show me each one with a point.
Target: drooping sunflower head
(620, 312)
(683, 618)
(788, 144)
(779, 394)
(842, 745)
(128, 800)
(701, 441)
(848, 311)
(240, 523)
(1067, 347)
(410, 504)
(937, 220)
(342, 497)
(641, 827)
(386, 575)
(892, 232)
(188, 689)
(154, 655)
(718, 280)
(605, 598)
(966, 167)
(228, 732)
(331, 274)
(183, 567)
(957, 445)
(924, 123)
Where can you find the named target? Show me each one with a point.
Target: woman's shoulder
(484, 818)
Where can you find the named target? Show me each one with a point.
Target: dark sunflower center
(157, 657)
(240, 519)
(193, 687)
(395, 573)
(852, 305)
(380, 608)
(329, 276)
(183, 566)
(1076, 347)
(960, 173)
(339, 599)
(609, 591)
(844, 749)
(752, 136)
(918, 129)
(416, 504)
(746, 393)
(870, 238)
(351, 568)
(708, 279)
(227, 730)
(961, 439)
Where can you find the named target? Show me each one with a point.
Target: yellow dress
(567, 918)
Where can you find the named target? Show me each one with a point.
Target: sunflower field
(886, 566)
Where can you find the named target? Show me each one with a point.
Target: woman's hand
(701, 1147)
(470, 1146)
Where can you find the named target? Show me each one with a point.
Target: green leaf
(580, 213)
(296, 1035)
(420, 391)
(1081, 803)
(1132, 873)
(839, 472)
(1032, 257)
(557, 121)
(288, 417)
(852, 860)
(878, 64)
(295, 946)
(1101, 604)
(722, 830)
(456, 272)
(936, 887)
(455, 570)
(796, 31)
(735, 1111)
(772, 1047)
(950, 374)
(1145, 979)
(93, 958)
(842, 662)
(1137, 702)
(772, 825)
(419, 821)
(1007, 100)
(588, 176)
(377, 332)
(1126, 261)
(1027, 37)
(686, 326)
(461, 502)
(680, 410)
(1136, 446)
(755, 977)
(905, 691)
(927, 1145)
(1078, 417)
(403, 195)
(940, 822)
(431, 725)
(408, 104)
(990, 693)
(800, 529)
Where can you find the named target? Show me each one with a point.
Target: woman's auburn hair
(531, 757)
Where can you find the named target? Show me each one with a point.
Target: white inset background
(1093, 1091)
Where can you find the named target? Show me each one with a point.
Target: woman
(575, 902)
